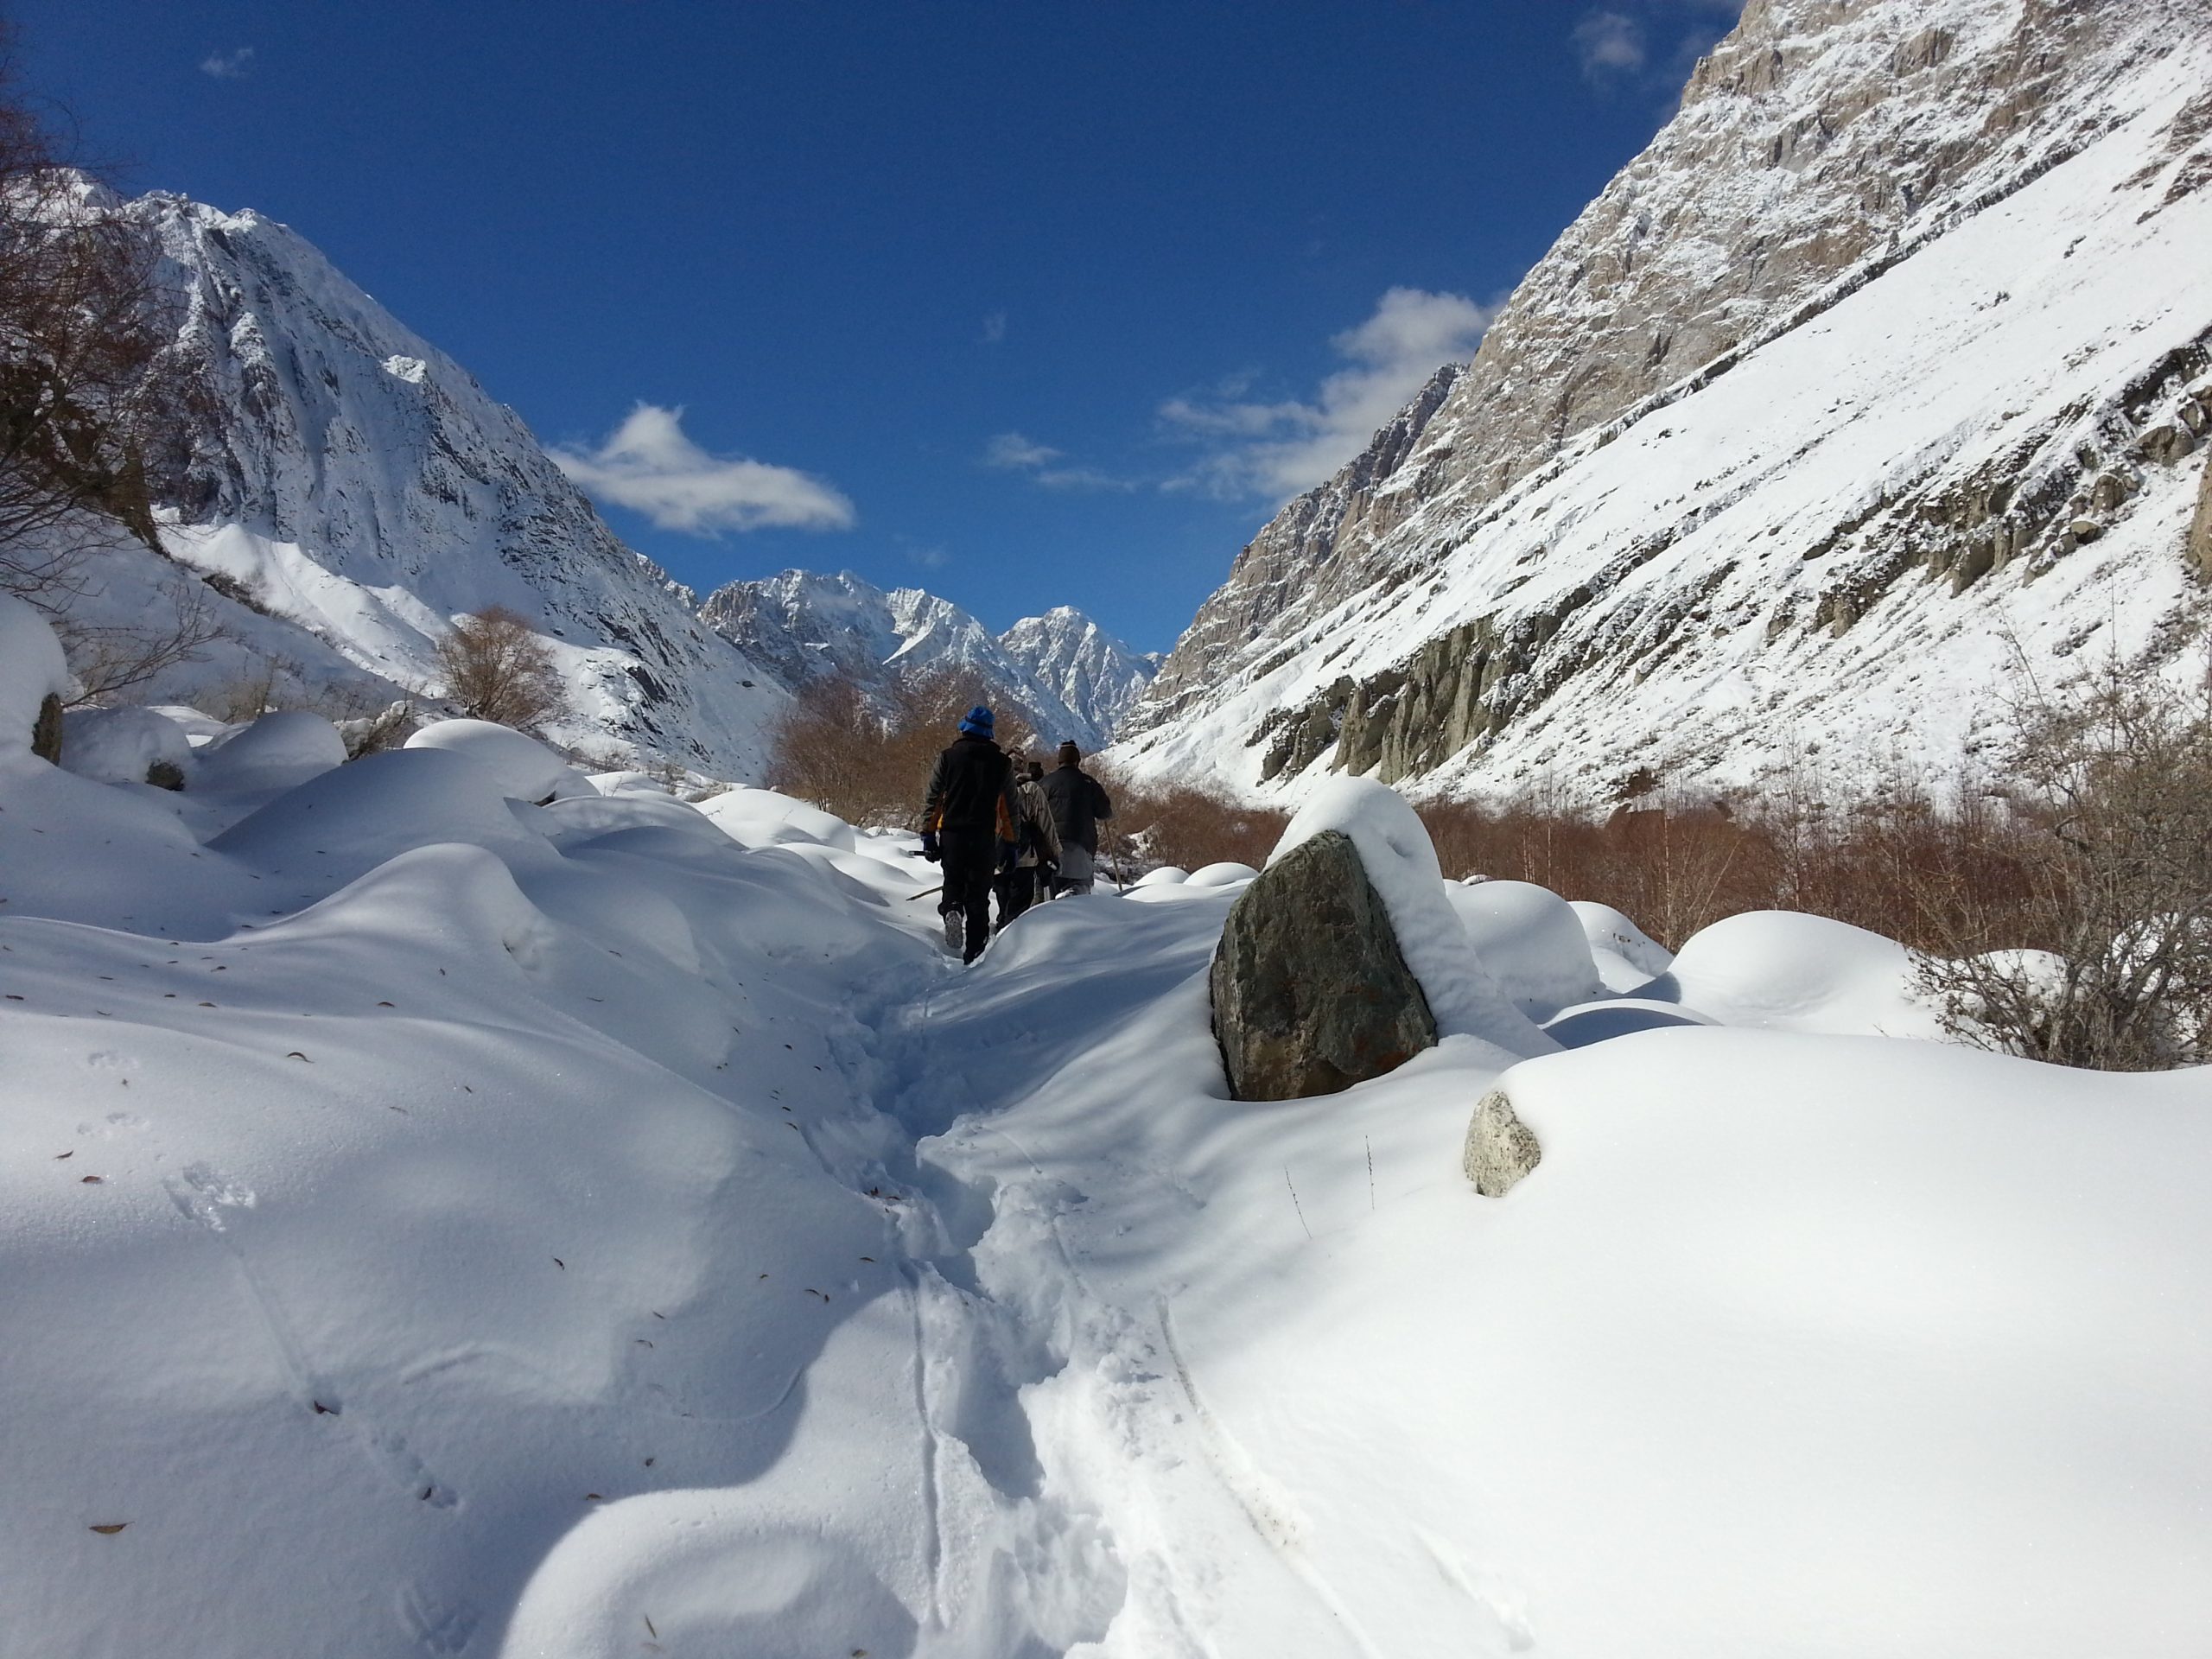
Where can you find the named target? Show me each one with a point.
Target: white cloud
(1082, 478)
(994, 328)
(228, 66)
(648, 465)
(1011, 452)
(1611, 46)
(1279, 448)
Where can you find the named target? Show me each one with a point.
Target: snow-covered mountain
(352, 488)
(1889, 353)
(1069, 676)
(1066, 654)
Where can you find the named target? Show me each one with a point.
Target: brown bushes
(869, 763)
(1187, 828)
(1898, 865)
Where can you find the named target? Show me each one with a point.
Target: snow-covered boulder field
(436, 1224)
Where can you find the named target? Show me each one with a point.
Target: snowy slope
(431, 1222)
(356, 488)
(1067, 674)
(1893, 345)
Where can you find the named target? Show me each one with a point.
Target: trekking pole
(925, 892)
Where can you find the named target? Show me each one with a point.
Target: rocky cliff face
(1067, 675)
(1889, 346)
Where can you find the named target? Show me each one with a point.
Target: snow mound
(342, 823)
(1611, 934)
(1221, 875)
(1531, 941)
(119, 746)
(1167, 875)
(1785, 971)
(628, 783)
(761, 817)
(274, 752)
(1401, 863)
(524, 768)
(32, 670)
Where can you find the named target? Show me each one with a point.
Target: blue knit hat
(977, 723)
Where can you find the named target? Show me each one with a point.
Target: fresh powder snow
(434, 1223)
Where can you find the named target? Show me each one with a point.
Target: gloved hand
(929, 847)
(1008, 851)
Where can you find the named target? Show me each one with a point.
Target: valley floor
(431, 1223)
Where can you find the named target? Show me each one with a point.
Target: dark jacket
(971, 792)
(1079, 805)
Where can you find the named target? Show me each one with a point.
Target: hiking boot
(955, 931)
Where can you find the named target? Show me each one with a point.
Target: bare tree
(88, 374)
(109, 659)
(91, 383)
(497, 668)
(2107, 963)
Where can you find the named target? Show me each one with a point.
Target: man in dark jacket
(1079, 806)
(968, 821)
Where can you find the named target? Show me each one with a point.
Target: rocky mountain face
(354, 480)
(1067, 654)
(1885, 364)
(1068, 675)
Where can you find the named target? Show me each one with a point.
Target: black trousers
(968, 862)
(1017, 891)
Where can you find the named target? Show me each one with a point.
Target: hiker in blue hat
(968, 821)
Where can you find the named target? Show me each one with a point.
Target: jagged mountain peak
(1067, 675)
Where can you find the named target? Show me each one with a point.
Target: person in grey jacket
(1079, 805)
(1038, 841)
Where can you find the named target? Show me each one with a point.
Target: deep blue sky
(888, 244)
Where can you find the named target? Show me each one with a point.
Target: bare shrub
(1187, 827)
(2103, 956)
(110, 660)
(90, 380)
(868, 762)
(497, 668)
(264, 685)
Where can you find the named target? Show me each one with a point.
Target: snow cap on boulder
(522, 768)
(123, 746)
(32, 669)
(1401, 867)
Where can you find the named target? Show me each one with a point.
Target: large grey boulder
(1500, 1147)
(1311, 993)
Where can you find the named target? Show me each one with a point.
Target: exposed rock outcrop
(1500, 1148)
(1311, 993)
(2200, 532)
(46, 733)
